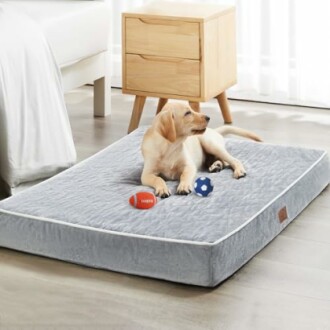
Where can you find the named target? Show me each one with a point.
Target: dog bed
(83, 216)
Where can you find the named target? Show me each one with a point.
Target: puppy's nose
(207, 118)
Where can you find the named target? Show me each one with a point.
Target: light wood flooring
(286, 286)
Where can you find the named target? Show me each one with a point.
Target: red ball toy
(143, 200)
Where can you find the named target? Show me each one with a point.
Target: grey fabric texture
(82, 215)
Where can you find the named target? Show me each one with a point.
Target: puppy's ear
(167, 126)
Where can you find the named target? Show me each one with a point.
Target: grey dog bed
(83, 216)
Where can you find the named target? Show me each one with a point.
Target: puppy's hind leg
(212, 164)
(235, 164)
(213, 144)
(217, 166)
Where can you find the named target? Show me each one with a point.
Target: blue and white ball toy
(203, 186)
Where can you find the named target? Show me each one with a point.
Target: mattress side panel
(173, 261)
(232, 253)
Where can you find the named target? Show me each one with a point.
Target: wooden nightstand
(179, 51)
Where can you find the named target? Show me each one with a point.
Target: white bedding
(35, 135)
(85, 22)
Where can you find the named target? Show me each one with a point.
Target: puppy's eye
(188, 113)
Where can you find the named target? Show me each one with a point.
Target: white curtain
(283, 49)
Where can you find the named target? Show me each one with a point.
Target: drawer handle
(160, 22)
(162, 59)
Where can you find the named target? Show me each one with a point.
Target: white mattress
(75, 29)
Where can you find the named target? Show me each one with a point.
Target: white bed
(78, 34)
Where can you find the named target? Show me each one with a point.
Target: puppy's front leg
(156, 182)
(186, 180)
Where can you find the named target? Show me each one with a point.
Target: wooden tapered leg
(195, 106)
(225, 109)
(161, 104)
(136, 113)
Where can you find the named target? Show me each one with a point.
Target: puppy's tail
(227, 129)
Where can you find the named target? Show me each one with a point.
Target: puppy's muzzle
(204, 125)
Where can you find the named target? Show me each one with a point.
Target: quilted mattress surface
(83, 216)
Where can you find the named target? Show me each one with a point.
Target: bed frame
(92, 69)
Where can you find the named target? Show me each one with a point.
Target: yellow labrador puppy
(178, 143)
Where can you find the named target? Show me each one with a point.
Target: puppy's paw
(217, 166)
(162, 192)
(239, 173)
(184, 189)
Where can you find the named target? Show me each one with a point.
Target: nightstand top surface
(186, 11)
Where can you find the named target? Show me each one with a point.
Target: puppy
(178, 144)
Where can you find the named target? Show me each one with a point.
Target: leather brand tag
(282, 214)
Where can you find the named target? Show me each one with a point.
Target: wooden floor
(286, 286)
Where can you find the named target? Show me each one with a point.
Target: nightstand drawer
(162, 75)
(161, 37)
